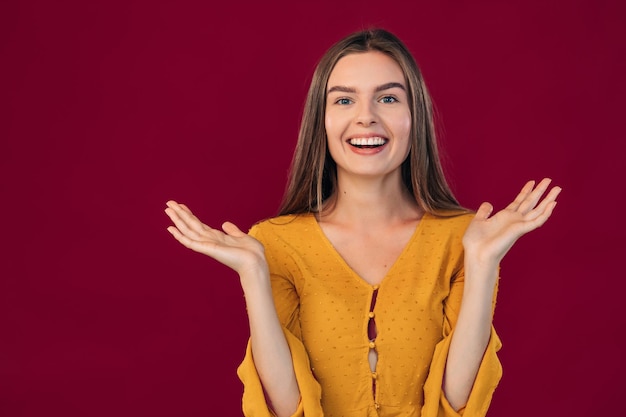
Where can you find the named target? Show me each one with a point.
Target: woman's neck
(378, 202)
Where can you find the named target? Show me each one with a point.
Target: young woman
(372, 293)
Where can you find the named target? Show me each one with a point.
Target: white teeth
(367, 141)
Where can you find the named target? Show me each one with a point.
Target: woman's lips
(367, 142)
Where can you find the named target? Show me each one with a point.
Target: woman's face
(368, 121)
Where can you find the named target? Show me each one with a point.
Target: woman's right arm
(246, 256)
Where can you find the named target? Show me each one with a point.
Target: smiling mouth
(367, 143)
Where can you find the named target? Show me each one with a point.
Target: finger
(526, 189)
(193, 221)
(182, 208)
(179, 236)
(175, 205)
(209, 248)
(232, 230)
(185, 214)
(188, 242)
(541, 218)
(541, 208)
(185, 208)
(533, 198)
(182, 223)
(484, 211)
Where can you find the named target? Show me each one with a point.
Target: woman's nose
(366, 114)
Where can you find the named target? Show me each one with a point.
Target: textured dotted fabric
(324, 307)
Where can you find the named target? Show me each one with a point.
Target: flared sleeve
(286, 301)
(254, 402)
(489, 372)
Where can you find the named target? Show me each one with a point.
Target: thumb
(484, 211)
(232, 230)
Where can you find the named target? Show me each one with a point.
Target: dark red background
(108, 109)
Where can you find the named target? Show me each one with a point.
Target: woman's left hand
(488, 238)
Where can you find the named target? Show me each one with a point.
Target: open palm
(490, 238)
(231, 247)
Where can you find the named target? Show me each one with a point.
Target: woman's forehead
(365, 70)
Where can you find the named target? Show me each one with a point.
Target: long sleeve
(487, 378)
(286, 301)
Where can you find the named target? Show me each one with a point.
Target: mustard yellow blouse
(324, 307)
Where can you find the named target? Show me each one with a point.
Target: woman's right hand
(232, 247)
(246, 255)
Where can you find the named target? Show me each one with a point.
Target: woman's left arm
(486, 241)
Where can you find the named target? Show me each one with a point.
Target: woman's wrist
(255, 277)
(480, 271)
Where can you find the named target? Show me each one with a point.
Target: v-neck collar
(416, 233)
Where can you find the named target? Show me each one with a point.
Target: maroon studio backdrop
(109, 109)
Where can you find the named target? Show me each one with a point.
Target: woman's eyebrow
(387, 86)
(342, 89)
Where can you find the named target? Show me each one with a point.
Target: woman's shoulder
(280, 225)
(452, 222)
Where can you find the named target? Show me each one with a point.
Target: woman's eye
(344, 101)
(388, 99)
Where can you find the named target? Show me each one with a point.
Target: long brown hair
(313, 175)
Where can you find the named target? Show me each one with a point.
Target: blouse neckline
(322, 236)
